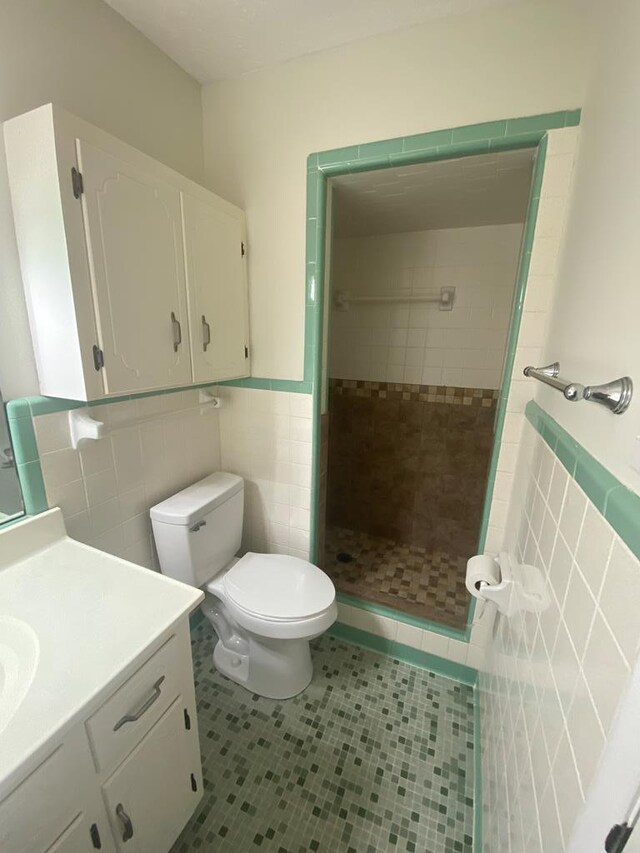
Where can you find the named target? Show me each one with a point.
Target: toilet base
(275, 669)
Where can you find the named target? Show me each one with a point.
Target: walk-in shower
(423, 266)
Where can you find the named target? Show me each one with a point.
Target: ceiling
(215, 39)
(490, 189)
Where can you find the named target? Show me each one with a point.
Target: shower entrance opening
(422, 264)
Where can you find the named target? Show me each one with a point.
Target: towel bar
(615, 395)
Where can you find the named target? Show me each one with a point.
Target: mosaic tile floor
(374, 756)
(405, 577)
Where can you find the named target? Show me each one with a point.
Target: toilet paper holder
(521, 587)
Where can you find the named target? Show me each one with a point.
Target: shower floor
(374, 755)
(408, 578)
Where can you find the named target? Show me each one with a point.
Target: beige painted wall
(85, 57)
(594, 329)
(510, 61)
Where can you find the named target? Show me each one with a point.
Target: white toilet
(265, 608)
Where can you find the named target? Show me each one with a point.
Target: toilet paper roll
(481, 568)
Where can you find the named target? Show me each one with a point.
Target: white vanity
(98, 731)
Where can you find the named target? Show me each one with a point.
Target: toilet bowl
(264, 608)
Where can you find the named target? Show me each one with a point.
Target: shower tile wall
(409, 463)
(554, 678)
(418, 343)
(105, 489)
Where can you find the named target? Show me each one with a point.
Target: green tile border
(512, 342)
(508, 134)
(619, 505)
(407, 654)
(477, 770)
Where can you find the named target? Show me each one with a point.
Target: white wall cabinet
(218, 310)
(126, 779)
(135, 277)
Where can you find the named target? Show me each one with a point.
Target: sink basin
(19, 653)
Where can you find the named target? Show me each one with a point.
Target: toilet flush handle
(197, 526)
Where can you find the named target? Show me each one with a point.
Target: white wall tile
(420, 344)
(106, 488)
(551, 682)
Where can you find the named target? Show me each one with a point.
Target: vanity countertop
(93, 618)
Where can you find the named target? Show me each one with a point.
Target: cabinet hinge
(246, 352)
(98, 357)
(187, 720)
(76, 182)
(194, 784)
(243, 250)
(95, 837)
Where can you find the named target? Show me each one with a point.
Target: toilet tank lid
(197, 500)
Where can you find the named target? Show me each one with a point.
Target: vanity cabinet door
(133, 231)
(216, 288)
(156, 789)
(85, 834)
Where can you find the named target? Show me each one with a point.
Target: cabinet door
(217, 290)
(133, 231)
(154, 792)
(85, 834)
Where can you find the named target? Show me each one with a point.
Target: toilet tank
(199, 530)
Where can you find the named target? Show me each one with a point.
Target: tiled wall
(417, 343)
(106, 488)
(541, 282)
(554, 679)
(409, 463)
(266, 438)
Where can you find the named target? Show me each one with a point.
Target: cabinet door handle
(127, 832)
(132, 718)
(206, 334)
(177, 331)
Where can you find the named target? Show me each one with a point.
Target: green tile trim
(619, 505)
(512, 341)
(507, 134)
(23, 439)
(477, 772)
(407, 654)
(34, 496)
(290, 385)
(406, 618)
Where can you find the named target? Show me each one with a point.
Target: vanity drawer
(125, 717)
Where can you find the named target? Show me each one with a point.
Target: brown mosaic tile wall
(409, 462)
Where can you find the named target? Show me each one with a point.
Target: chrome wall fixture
(615, 395)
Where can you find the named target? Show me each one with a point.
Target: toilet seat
(278, 587)
(276, 596)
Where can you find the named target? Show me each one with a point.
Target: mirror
(10, 495)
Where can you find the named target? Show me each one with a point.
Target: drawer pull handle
(126, 822)
(177, 331)
(132, 718)
(206, 333)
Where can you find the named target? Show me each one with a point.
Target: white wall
(418, 343)
(510, 61)
(85, 57)
(595, 328)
